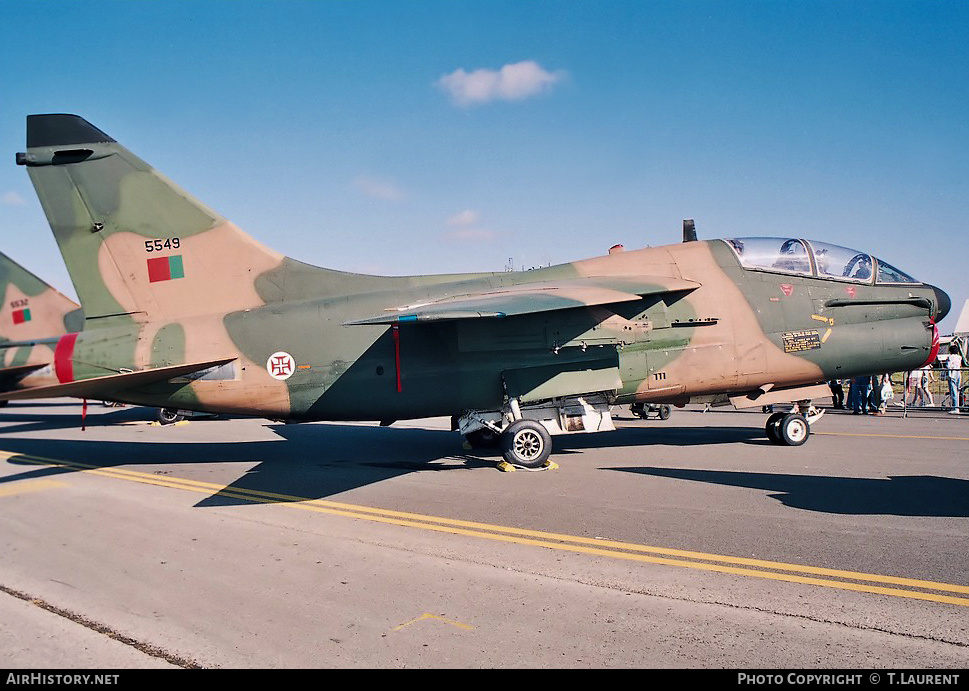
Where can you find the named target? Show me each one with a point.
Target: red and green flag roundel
(21, 316)
(165, 268)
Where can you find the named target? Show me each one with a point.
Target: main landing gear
(793, 428)
(169, 416)
(524, 432)
(525, 443)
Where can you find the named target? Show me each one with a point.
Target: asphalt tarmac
(686, 543)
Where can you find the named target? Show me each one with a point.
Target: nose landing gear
(793, 428)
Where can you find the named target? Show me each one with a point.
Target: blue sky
(419, 136)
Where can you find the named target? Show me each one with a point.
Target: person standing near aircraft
(837, 394)
(922, 386)
(859, 394)
(953, 367)
(882, 393)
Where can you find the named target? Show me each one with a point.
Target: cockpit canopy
(812, 258)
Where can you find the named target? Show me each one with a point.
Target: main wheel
(772, 427)
(169, 416)
(526, 443)
(794, 429)
(664, 412)
(484, 438)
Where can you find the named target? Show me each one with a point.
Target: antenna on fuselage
(689, 230)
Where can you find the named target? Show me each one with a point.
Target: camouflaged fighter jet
(184, 310)
(33, 315)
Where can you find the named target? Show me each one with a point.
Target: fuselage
(741, 329)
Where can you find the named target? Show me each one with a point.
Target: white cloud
(379, 189)
(463, 218)
(12, 199)
(471, 235)
(513, 82)
(464, 231)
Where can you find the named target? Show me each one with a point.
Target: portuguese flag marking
(165, 268)
(21, 316)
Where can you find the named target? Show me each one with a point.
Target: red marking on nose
(934, 353)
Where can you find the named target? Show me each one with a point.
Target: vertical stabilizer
(134, 243)
(30, 308)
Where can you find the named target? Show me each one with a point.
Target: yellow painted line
(827, 333)
(889, 436)
(23, 486)
(427, 616)
(572, 543)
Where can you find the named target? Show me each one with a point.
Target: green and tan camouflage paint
(673, 322)
(51, 314)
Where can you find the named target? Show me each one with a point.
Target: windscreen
(773, 254)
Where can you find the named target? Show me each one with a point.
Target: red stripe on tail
(64, 358)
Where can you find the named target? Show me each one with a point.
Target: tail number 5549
(159, 245)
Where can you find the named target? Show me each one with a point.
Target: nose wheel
(788, 429)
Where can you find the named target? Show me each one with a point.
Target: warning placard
(798, 341)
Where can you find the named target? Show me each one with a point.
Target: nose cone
(943, 301)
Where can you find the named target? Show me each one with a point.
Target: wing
(112, 383)
(531, 298)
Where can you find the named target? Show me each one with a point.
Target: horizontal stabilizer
(531, 298)
(9, 376)
(98, 387)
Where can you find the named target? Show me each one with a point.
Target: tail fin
(134, 243)
(30, 308)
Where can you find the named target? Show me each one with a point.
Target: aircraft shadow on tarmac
(98, 416)
(316, 461)
(661, 434)
(904, 495)
(308, 462)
